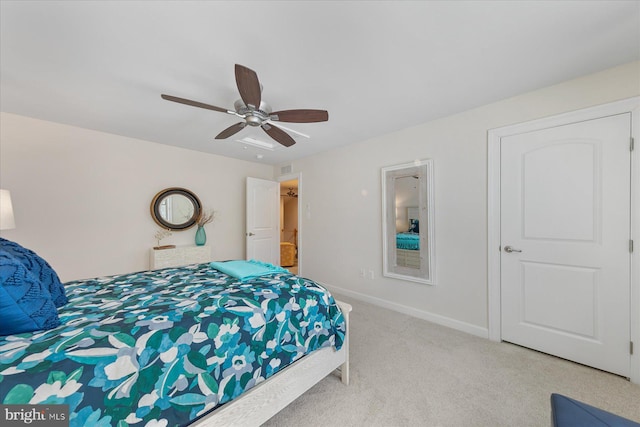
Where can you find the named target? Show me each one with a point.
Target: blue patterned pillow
(39, 268)
(25, 302)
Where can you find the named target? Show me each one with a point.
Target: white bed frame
(408, 258)
(269, 397)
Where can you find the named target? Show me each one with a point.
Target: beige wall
(81, 198)
(290, 211)
(342, 234)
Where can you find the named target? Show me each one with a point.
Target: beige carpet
(409, 372)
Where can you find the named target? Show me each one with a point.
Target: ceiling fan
(255, 112)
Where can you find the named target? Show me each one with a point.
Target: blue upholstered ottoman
(567, 412)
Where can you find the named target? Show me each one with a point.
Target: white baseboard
(420, 314)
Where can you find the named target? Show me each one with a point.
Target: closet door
(565, 230)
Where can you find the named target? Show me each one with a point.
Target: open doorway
(289, 226)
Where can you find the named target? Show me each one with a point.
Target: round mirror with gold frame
(175, 209)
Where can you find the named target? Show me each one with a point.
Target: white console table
(178, 256)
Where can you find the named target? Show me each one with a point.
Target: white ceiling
(376, 66)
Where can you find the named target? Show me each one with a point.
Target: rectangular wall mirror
(407, 222)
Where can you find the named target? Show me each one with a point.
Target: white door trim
(289, 177)
(494, 137)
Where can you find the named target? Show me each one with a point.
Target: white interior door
(263, 220)
(565, 229)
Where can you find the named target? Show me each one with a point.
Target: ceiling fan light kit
(265, 145)
(257, 113)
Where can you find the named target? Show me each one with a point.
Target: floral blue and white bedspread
(165, 347)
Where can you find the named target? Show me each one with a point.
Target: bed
(179, 346)
(408, 250)
(408, 242)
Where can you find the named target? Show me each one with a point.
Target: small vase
(201, 236)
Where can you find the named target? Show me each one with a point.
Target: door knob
(509, 249)
(250, 234)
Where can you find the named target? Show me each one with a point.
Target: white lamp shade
(7, 220)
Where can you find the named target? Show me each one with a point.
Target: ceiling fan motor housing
(253, 117)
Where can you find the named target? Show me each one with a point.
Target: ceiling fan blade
(194, 103)
(248, 86)
(231, 130)
(300, 116)
(286, 128)
(278, 134)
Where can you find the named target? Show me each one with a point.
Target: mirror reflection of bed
(407, 221)
(408, 239)
(289, 225)
(288, 255)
